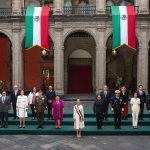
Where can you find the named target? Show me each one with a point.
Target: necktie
(3, 100)
(105, 93)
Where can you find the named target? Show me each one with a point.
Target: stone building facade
(87, 34)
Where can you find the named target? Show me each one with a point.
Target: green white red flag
(124, 26)
(37, 24)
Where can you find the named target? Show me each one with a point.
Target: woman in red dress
(125, 98)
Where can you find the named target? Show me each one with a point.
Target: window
(120, 2)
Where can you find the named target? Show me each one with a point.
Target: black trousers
(49, 110)
(32, 109)
(14, 110)
(142, 110)
(4, 119)
(99, 119)
(40, 119)
(117, 120)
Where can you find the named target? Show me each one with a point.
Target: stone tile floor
(46, 142)
(51, 142)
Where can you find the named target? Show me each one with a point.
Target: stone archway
(6, 61)
(123, 64)
(80, 72)
(77, 46)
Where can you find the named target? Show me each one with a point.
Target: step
(86, 115)
(68, 130)
(88, 121)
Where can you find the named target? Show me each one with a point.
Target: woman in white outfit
(135, 108)
(78, 115)
(22, 107)
(31, 100)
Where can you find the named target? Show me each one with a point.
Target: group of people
(119, 106)
(39, 102)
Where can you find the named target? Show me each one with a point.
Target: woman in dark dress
(125, 98)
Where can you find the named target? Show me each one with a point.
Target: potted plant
(118, 82)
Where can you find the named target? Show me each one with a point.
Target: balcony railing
(74, 10)
(5, 12)
(108, 9)
(24, 11)
(87, 10)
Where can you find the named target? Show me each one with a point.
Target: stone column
(16, 7)
(100, 60)
(59, 60)
(136, 2)
(142, 63)
(58, 7)
(17, 57)
(143, 6)
(100, 6)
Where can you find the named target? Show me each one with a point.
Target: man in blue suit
(106, 96)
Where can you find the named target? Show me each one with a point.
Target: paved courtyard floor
(46, 142)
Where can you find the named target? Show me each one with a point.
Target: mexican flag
(124, 26)
(37, 23)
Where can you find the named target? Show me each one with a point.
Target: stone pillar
(59, 60)
(100, 60)
(144, 6)
(100, 6)
(136, 2)
(16, 7)
(17, 57)
(142, 63)
(58, 7)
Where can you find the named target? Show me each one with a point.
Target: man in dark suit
(106, 96)
(117, 109)
(142, 96)
(50, 95)
(98, 109)
(4, 107)
(14, 94)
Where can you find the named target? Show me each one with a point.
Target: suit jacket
(50, 96)
(125, 97)
(117, 105)
(148, 103)
(98, 107)
(106, 99)
(4, 107)
(14, 97)
(142, 97)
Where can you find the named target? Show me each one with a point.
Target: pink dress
(58, 110)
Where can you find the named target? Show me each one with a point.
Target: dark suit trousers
(14, 110)
(32, 109)
(142, 110)
(99, 119)
(117, 120)
(40, 119)
(4, 119)
(49, 110)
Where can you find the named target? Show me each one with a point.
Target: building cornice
(74, 18)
